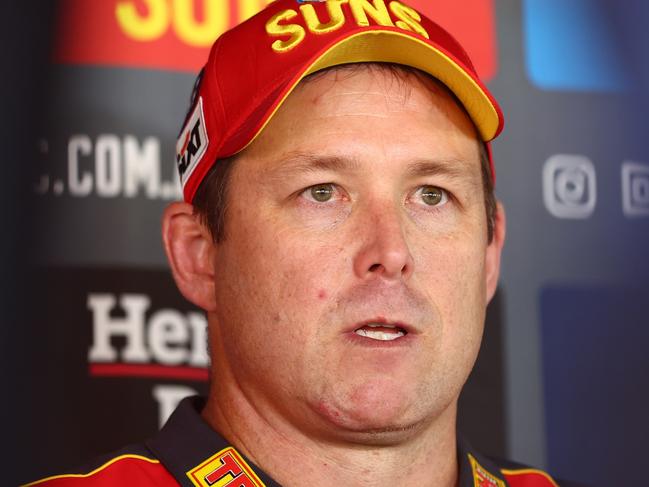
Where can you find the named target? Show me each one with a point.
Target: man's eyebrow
(300, 162)
(451, 168)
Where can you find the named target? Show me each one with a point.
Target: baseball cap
(254, 67)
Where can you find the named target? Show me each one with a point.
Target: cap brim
(398, 47)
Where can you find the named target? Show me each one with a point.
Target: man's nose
(384, 251)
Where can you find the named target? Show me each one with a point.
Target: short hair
(211, 198)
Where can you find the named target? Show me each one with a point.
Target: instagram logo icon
(635, 189)
(569, 186)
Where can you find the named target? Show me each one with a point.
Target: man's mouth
(381, 331)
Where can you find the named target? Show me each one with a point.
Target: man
(339, 229)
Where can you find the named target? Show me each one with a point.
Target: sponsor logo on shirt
(225, 469)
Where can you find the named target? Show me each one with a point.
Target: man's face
(351, 284)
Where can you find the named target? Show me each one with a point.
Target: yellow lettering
(143, 28)
(336, 16)
(248, 8)
(216, 19)
(274, 28)
(378, 11)
(409, 18)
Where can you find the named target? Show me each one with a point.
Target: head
(371, 210)
(347, 281)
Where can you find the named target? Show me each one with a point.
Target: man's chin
(374, 433)
(385, 423)
(385, 436)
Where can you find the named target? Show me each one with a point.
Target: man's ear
(494, 251)
(190, 248)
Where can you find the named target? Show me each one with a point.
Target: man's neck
(427, 458)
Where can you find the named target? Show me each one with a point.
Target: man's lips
(381, 329)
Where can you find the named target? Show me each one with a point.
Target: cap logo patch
(363, 12)
(192, 143)
(225, 469)
(481, 477)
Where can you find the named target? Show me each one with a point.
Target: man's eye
(321, 192)
(433, 196)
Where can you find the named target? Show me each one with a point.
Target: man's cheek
(451, 276)
(312, 269)
(304, 286)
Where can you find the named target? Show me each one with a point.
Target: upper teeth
(380, 335)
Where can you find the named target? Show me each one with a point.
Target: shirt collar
(196, 455)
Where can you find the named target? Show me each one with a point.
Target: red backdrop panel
(177, 34)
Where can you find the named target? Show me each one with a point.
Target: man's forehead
(328, 101)
(328, 124)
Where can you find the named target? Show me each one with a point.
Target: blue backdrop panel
(571, 46)
(595, 342)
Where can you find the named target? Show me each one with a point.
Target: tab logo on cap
(192, 143)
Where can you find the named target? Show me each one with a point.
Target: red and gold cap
(255, 66)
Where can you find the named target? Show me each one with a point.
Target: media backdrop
(107, 346)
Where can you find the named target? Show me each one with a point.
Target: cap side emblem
(192, 143)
